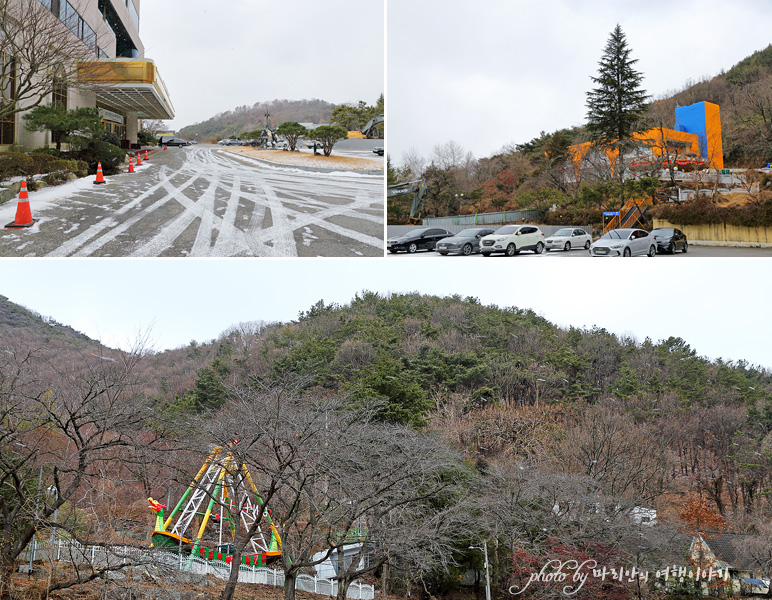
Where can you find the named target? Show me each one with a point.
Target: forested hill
(499, 383)
(21, 324)
(504, 382)
(248, 118)
(554, 442)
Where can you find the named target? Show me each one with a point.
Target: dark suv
(418, 239)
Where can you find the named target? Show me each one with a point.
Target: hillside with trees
(232, 123)
(539, 174)
(535, 440)
(246, 119)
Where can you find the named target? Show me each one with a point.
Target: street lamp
(487, 574)
(52, 490)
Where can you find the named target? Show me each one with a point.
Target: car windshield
(617, 234)
(468, 232)
(663, 232)
(506, 230)
(563, 233)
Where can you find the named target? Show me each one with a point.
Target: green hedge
(15, 164)
(110, 156)
(18, 164)
(703, 211)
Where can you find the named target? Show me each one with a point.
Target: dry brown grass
(306, 159)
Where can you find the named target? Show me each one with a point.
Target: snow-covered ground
(201, 201)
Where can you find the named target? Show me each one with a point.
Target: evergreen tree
(617, 103)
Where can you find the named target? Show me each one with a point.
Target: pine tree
(616, 105)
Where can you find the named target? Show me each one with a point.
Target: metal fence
(494, 218)
(127, 555)
(397, 230)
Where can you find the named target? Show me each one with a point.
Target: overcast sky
(215, 56)
(719, 306)
(493, 72)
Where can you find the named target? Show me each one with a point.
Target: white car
(511, 239)
(625, 242)
(568, 238)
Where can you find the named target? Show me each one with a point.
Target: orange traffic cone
(99, 178)
(139, 160)
(131, 166)
(23, 213)
(164, 146)
(145, 154)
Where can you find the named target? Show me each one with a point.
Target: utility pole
(484, 548)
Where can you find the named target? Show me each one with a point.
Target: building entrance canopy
(127, 85)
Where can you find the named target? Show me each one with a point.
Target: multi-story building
(112, 72)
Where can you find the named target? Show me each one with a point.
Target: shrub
(110, 156)
(147, 139)
(58, 170)
(111, 138)
(14, 164)
(49, 151)
(41, 162)
(703, 211)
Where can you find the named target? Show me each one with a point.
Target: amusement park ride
(220, 494)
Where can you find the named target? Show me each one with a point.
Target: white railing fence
(126, 555)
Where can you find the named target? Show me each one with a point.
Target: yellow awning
(127, 85)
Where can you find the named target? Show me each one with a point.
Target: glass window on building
(133, 14)
(71, 18)
(59, 93)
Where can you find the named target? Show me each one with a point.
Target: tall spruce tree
(617, 103)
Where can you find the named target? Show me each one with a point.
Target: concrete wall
(723, 235)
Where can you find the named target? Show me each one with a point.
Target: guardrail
(127, 555)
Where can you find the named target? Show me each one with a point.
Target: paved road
(201, 201)
(694, 251)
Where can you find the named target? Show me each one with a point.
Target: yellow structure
(695, 141)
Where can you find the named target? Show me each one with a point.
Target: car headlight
(500, 239)
(617, 246)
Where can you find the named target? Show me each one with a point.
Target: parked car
(424, 238)
(465, 242)
(176, 142)
(670, 240)
(624, 242)
(378, 150)
(568, 238)
(511, 239)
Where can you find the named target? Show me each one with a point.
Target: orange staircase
(629, 215)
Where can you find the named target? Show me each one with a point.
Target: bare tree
(622, 457)
(38, 53)
(62, 435)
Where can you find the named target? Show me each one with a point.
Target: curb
(723, 244)
(304, 168)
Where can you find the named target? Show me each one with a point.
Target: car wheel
(540, 248)
(653, 251)
(485, 253)
(587, 245)
(511, 250)
(672, 248)
(626, 252)
(567, 247)
(466, 250)
(444, 253)
(686, 247)
(412, 248)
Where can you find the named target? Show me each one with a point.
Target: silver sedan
(568, 238)
(625, 242)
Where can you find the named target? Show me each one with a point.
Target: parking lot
(694, 251)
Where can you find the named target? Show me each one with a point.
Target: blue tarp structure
(691, 119)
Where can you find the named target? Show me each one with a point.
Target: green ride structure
(220, 494)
